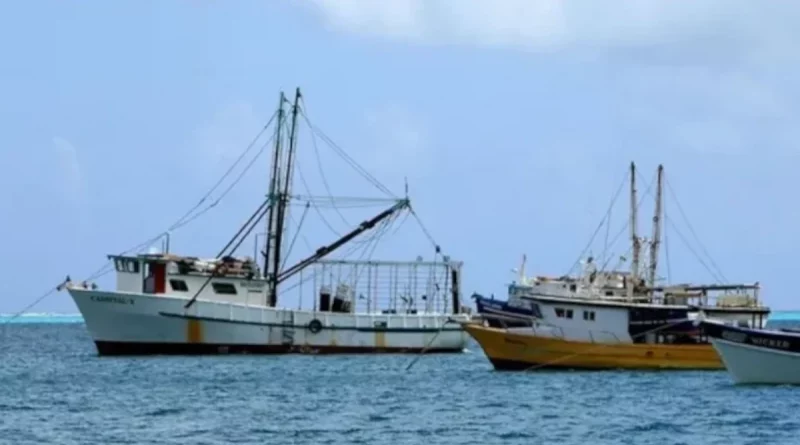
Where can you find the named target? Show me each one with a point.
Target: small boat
(615, 319)
(756, 356)
(165, 303)
(515, 311)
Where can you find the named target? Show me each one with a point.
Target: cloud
(555, 24)
(715, 111)
(73, 187)
(710, 76)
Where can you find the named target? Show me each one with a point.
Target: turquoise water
(41, 318)
(55, 389)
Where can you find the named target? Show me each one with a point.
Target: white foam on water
(41, 317)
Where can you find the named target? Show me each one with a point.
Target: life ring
(314, 326)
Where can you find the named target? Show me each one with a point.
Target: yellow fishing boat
(607, 319)
(521, 351)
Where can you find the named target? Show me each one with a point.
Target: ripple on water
(55, 390)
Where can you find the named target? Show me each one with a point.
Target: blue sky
(514, 122)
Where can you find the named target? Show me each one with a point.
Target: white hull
(136, 323)
(752, 364)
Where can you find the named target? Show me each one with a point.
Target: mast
(654, 245)
(283, 200)
(269, 257)
(634, 239)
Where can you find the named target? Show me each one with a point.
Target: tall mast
(283, 200)
(634, 238)
(269, 257)
(654, 245)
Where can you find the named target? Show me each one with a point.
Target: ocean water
(54, 389)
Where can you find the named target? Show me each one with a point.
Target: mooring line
(430, 342)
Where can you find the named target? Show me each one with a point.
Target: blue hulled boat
(512, 312)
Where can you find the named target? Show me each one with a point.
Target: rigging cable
(425, 230)
(359, 169)
(437, 252)
(254, 219)
(225, 175)
(102, 271)
(599, 226)
(319, 166)
(180, 222)
(316, 209)
(691, 230)
(666, 242)
(627, 223)
(699, 258)
(296, 234)
(315, 272)
(430, 342)
(35, 302)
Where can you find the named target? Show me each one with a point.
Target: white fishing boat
(756, 356)
(165, 303)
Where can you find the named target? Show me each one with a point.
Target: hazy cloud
(553, 24)
(72, 187)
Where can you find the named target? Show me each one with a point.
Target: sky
(513, 123)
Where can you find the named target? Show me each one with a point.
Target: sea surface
(55, 389)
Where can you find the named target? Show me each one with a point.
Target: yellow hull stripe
(499, 344)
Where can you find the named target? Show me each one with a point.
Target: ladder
(287, 332)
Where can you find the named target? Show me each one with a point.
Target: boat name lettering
(770, 342)
(251, 285)
(111, 299)
(736, 337)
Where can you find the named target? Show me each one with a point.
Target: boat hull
(756, 356)
(141, 324)
(518, 351)
(749, 364)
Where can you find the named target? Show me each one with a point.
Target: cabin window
(224, 288)
(563, 313)
(588, 315)
(126, 265)
(572, 287)
(178, 285)
(537, 312)
(132, 266)
(609, 293)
